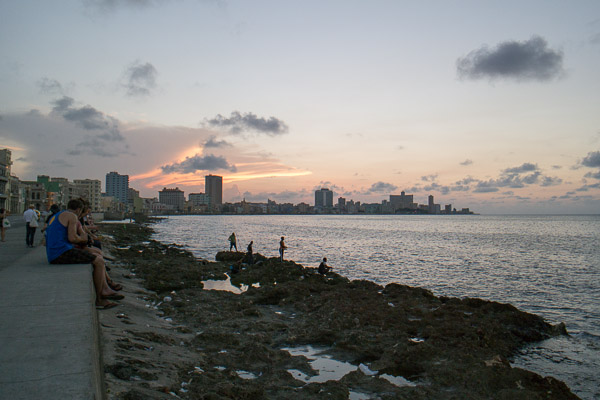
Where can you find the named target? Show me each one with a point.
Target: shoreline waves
(175, 337)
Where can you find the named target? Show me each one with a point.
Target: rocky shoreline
(279, 330)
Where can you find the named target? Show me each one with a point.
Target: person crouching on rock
(323, 267)
(61, 236)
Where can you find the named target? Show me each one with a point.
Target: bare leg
(100, 284)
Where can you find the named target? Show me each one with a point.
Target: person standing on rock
(282, 248)
(232, 242)
(249, 256)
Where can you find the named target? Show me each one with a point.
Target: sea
(548, 265)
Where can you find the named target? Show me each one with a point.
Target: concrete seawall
(49, 331)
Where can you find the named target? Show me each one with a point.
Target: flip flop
(115, 286)
(106, 306)
(114, 297)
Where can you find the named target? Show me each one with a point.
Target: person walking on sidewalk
(31, 224)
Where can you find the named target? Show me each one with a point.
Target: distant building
(5, 164)
(213, 186)
(323, 199)
(172, 197)
(401, 202)
(90, 190)
(198, 199)
(117, 186)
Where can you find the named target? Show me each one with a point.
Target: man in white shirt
(31, 224)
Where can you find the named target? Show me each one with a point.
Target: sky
(493, 106)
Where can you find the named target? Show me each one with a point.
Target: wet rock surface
(171, 336)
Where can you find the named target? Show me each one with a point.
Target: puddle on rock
(245, 374)
(329, 369)
(224, 285)
(326, 367)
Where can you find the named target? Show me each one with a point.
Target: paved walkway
(49, 345)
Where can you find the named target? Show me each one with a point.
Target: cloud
(50, 86)
(106, 142)
(592, 160)
(467, 162)
(213, 142)
(238, 123)
(199, 163)
(140, 79)
(528, 60)
(526, 167)
(595, 175)
(381, 187)
(429, 178)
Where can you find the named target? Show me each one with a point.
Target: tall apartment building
(323, 198)
(213, 186)
(91, 190)
(172, 197)
(5, 163)
(117, 186)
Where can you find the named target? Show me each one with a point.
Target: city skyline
(493, 106)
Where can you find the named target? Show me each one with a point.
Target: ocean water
(547, 265)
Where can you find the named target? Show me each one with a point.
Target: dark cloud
(105, 141)
(526, 167)
(429, 178)
(592, 160)
(50, 86)
(381, 187)
(594, 175)
(213, 142)
(140, 79)
(238, 123)
(528, 60)
(466, 162)
(109, 5)
(199, 163)
(485, 187)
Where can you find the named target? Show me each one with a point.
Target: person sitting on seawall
(93, 246)
(3, 216)
(61, 235)
(54, 208)
(31, 223)
(323, 267)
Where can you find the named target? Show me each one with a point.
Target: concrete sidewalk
(49, 344)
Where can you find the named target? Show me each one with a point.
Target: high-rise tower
(117, 186)
(213, 186)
